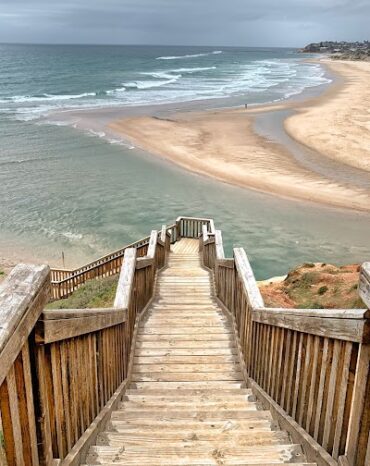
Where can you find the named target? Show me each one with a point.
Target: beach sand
(339, 127)
(223, 143)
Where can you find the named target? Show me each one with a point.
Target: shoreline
(100, 119)
(355, 105)
(224, 145)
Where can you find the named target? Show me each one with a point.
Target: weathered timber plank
(52, 330)
(364, 284)
(23, 295)
(125, 281)
(313, 450)
(342, 329)
(246, 276)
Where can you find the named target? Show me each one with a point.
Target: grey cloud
(203, 22)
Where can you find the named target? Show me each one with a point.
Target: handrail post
(166, 240)
(219, 255)
(178, 228)
(23, 296)
(357, 451)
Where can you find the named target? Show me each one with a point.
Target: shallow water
(63, 191)
(83, 196)
(271, 126)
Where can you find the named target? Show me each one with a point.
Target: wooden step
(171, 339)
(181, 368)
(166, 398)
(238, 455)
(145, 350)
(160, 414)
(190, 392)
(171, 359)
(228, 439)
(199, 462)
(187, 430)
(186, 376)
(189, 405)
(187, 401)
(189, 331)
(257, 420)
(221, 385)
(199, 321)
(193, 344)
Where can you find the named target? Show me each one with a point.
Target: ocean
(75, 192)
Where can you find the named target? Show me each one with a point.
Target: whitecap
(99, 134)
(71, 236)
(192, 70)
(195, 55)
(19, 99)
(161, 79)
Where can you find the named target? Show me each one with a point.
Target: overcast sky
(187, 22)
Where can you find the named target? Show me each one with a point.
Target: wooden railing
(63, 371)
(65, 281)
(309, 366)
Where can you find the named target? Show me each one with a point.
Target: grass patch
(94, 293)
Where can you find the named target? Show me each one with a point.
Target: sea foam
(195, 55)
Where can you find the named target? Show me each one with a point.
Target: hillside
(315, 286)
(341, 50)
(307, 286)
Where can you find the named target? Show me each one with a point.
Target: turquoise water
(65, 191)
(37, 79)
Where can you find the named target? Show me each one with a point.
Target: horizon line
(149, 45)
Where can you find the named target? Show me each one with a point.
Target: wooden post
(364, 284)
(358, 437)
(126, 278)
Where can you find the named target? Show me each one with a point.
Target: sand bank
(224, 145)
(339, 126)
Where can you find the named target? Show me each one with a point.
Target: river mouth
(74, 194)
(84, 197)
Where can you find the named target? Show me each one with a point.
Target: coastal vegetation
(315, 286)
(308, 286)
(94, 293)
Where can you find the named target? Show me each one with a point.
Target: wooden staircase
(188, 402)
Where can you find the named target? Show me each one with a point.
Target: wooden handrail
(57, 325)
(65, 281)
(364, 283)
(23, 296)
(63, 371)
(310, 367)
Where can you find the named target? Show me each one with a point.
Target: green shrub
(322, 290)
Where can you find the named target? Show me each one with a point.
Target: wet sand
(226, 143)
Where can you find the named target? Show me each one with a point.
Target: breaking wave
(45, 97)
(195, 55)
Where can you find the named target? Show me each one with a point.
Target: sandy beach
(338, 126)
(223, 143)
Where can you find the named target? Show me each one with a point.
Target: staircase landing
(188, 403)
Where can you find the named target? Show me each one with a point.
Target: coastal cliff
(315, 286)
(310, 285)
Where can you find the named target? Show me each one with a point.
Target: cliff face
(315, 286)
